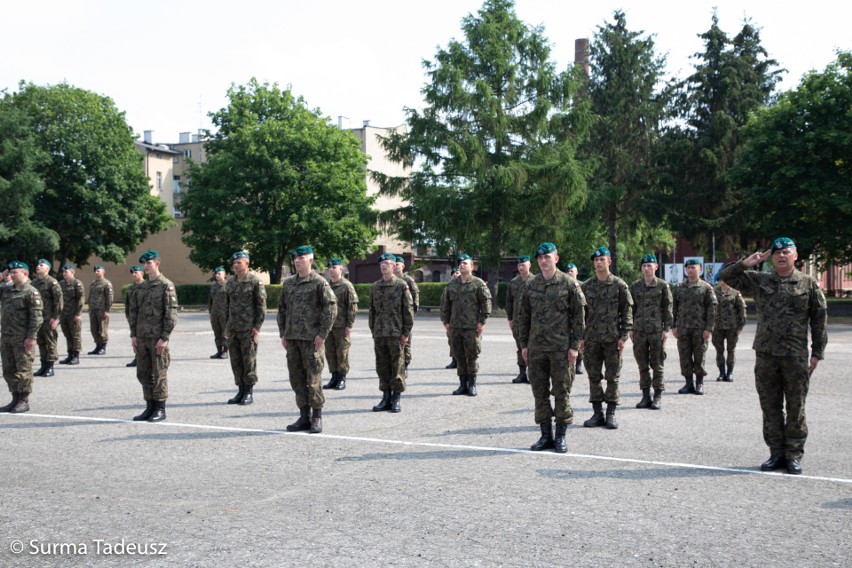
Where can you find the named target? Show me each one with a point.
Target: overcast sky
(168, 63)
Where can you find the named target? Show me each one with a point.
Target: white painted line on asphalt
(435, 445)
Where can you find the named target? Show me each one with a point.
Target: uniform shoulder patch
(35, 292)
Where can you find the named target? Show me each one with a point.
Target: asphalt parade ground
(447, 482)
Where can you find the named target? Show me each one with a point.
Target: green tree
(278, 176)
(95, 197)
(796, 165)
(493, 150)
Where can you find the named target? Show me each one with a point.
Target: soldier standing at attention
(513, 303)
(571, 270)
(338, 341)
(246, 313)
(137, 275)
(694, 309)
(153, 314)
(73, 296)
(652, 321)
(51, 298)
(391, 319)
(730, 321)
(217, 307)
(306, 312)
(21, 318)
(550, 325)
(399, 272)
(788, 303)
(609, 318)
(100, 301)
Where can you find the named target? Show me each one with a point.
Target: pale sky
(167, 63)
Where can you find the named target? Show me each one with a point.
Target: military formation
(555, 320)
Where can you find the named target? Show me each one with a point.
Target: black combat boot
(699, 385)
(248, 395)
(688, 388)
(341, 382)
(546, 440)
(146, 414)
(40, 372)
(95, 350)
(332, 382)
(462, 385)
(394, 402)
(611, 422)
(776, 461)
(67, 360)
(453, 364)
(303, 423)
(657, 402)
(578, 369)
(48, 369)
(522, 375)
(316, 421)
(159, 413)
(794, 467)
(646, 399)
(559, 444)
(385, 403)
(729, 378)
(23, 404)
(471, 385)
(101, 349)
(597, 418)
(132, 363)
(75, 358)
(11, 405)
(239, 395)
(218, 354)
(722, 375)
(224, 352)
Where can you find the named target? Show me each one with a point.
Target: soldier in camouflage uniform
(20, 304)
(137, 276)
(513, 303)
(694, 312)
(153, 314)
(338, 341)
(246, 308)
(730, 321)
(100, 301)
(788, 303)
(51, 298)
(464, 310)
(391, 318)
(217, 307)
(306, 312)
(609, 318)
(550, 324)
(399, 272)
(652, 321)
(73, 297)
(571, 270)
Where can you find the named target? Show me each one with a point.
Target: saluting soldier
(464, 310)
(730, 321)
(217, 307)
(100, 301)
(73, 297)
(137, 277)
(513, 303)
(339, 339)
(51, 298)
(21, 318)
(694, 307)
(153, 315)
(571, 270)
(246, 314)
(306, 312)
(399, 272)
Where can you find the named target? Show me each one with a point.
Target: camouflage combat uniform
(609, 318)
(100, 301)
(652, 315)
(466, 305)
(337, 343)
(514, 293)
(217, 307)
(786, 308)
(20, 320)
(73, 296)
(415, 305)
(153, 315)
(694, 311)
(391, 317)
(246, 308)
(730, 320)
(51, 297)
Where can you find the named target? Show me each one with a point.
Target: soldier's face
(241, 266)
(220, 276)
(572, 272)
(398, 268)
(784, 259)
(465, 267)
(335, 271)
(69, 275)
(19, 275)
(692, 272)
(387, 267)
(42, 269)
(602, 264)
(524, 269)
(152, 267)
(137, 276)
(649, 269)
(303, 263)
(99, 273)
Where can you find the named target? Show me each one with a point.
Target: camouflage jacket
(51, 297)
(307, 307)
(347, 302)
(609, 316)
(131, 293)
(100, 295)
(730, 309)
(217, 299)
(551, 313)
(694, 306)
(21, 309)
(153, 312)
(466, 304)
(786, 307)
(513, 296)
(652, 306)
(73, 297)
(391, 312)
(414, 290)
(246, 302)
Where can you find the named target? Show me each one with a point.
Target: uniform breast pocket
(799, 300)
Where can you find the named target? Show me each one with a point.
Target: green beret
(600, 251)
(97, 266)
(545, 248)
(44, 261)
(524, 258)
(400, 259)
(18, 264)
(149, 255)
(69, 267)
(219, 269)
(782, 243)
(570, 266)
(462, 257)
(334, 262)
(136, 268)
(302, 251)
(240, 254)
(387, 256)
(649, 258)
(692, 261)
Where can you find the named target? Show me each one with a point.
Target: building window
(176, 184)
(160, 181)
(187, 154)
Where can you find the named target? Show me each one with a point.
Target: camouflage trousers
(219, 323)
(551, 375)
(520, 357)
(305, 365)
(17, 364)
(450, 343)
(337, 350)
(152, 369)
(783, 381)
(389, 364)
(73, 332)
(650, 356)
(720, 338)
(406, 352)
(99, 326)
(597, 354)
(466, 345)
(242, 350)
(46, 339)
(692, 348)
